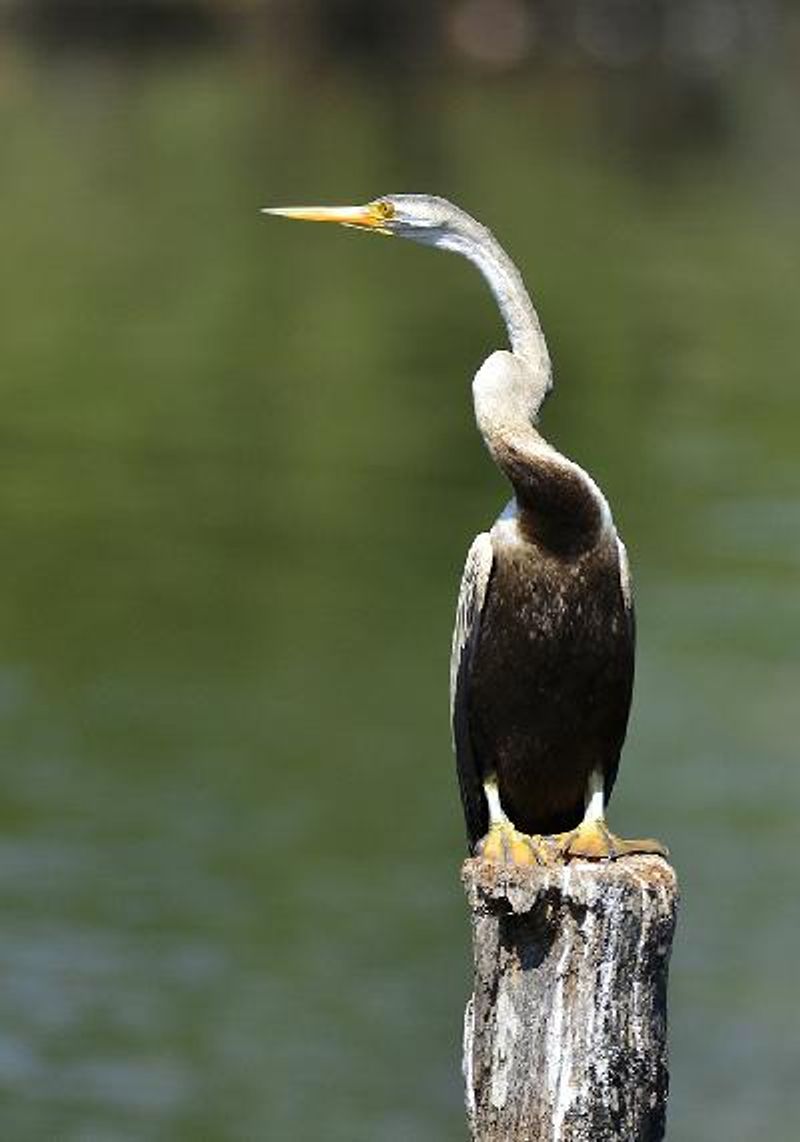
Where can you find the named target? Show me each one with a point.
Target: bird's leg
(592, 839)
(503, 844)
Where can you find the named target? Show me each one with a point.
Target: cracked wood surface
(565, 1035)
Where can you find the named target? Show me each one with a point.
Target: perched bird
(543, 647)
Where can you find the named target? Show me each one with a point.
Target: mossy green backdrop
(238, 476)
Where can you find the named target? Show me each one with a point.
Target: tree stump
(565, 1035)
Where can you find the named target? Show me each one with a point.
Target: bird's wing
(626, 661)
(471, 597)
(626, 584)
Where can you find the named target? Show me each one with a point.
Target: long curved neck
(525, 335)
(560, 505)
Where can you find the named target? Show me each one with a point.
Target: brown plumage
(544, 680)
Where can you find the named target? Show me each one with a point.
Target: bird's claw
(504, 845)
(593, 840)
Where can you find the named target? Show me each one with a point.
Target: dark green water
(239, 475)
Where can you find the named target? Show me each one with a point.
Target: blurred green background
(239, 476)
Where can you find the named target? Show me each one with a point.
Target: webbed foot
(593, 840)
(504, 845)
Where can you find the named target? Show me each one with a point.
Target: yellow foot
(504, 845)
(594, 841)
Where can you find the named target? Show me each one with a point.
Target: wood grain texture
(565, 1035)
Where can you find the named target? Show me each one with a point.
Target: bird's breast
(551, 674)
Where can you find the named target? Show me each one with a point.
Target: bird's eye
(385, 209)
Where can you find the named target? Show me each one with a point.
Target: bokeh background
(239, 473)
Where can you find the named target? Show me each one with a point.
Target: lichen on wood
(565, 1035)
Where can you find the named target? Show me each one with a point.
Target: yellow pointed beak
(373, 216)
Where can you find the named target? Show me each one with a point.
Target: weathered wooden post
(565, 1035)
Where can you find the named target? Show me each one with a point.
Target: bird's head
(436, 222)
(421, 217)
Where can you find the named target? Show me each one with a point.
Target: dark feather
(474, 584)
(543, 676)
